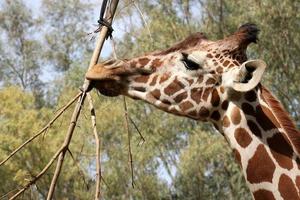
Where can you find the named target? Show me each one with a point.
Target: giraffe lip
(109, 87)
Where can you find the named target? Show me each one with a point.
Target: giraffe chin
(109, 88)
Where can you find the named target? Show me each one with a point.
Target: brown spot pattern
(226, 122)
(215, 115)
(173, 87)
(265, 118)
(263, 195)
(287, 188)
(242, 137)
(248, 109)
(144, 61)
(156, 93)
(225, 105)
(254, 128)
(203, 112)
(210, 81)
(196, 95)
(141, 79)
(237, 156)
(298, 182)
(153, 82)
(163, 78)
(226, 63)
(156, 62)
(260, 167)
(215, 99)
(180, 97)
(185, 105)
(206, 93)
(236, 115)
(250, 96)
(281, 151)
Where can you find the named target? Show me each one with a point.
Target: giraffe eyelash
(189, 64)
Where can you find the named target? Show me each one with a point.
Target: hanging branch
(99, 44)
(97, 139)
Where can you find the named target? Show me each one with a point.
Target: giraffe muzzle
(113, 80)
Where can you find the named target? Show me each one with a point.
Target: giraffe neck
(262, 146)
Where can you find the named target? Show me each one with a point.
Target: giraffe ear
(248, 75)
(245, 77)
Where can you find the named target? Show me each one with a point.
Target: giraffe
(213, 81)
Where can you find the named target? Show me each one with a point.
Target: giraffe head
(192, 78)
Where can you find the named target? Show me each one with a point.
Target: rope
(104, 22)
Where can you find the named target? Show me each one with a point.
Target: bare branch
(97, 139)
(62, 110)
(129, 141)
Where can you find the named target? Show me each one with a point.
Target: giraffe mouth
(113, 81)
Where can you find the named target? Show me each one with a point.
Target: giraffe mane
(191, 41)
(283, 118)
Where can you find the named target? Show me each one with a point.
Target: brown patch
(248, 109)
(215, 99)
(282, 116)
(242, 137)
(298, 182)
(191, 41)
(196, 95)
(254, 128)
(236, 63)
(287, 188)
(206, 93)
(260, 167)
(141, 79)
(193, 114)
(265, 118)
(191, 81)
(153, 82)
(185, 105)
(203, 112)
(250, 95)
(163, 78)
(180, 97)
(222, 90)
(200, 79)
(209, 55)
(217, 56)
(210, 81)
(226, 122)
(236, 115)
(220, 70)
(174, 87)
(156, 63)
(225, 105)
(281, 151)
(298, 162)
(156, 94)
(215, 115)
(226, 63)
(237, 156)
(262, 194)
(144, 61)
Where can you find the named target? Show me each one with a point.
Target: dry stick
(102, 36)
(38, 176)
(137, 129)
(62, 110)
(129, 144)
(98, 160)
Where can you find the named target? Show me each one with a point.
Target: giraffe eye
(189, 64)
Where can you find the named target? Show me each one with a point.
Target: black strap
(104, 22)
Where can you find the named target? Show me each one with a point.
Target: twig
(39, 175)
(144, 20)
(81, 173)
(97, 139)
(129, 138)
(95, 57)
(137, 129)
(62, 110)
